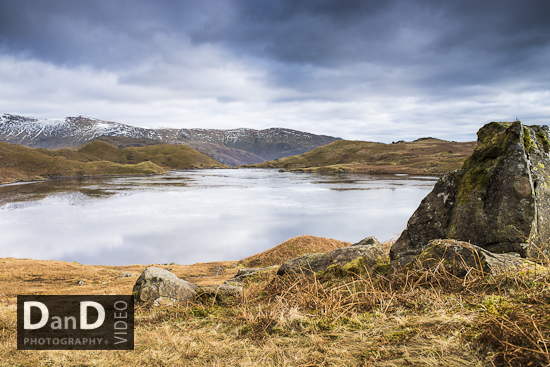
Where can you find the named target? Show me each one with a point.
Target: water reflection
(90, 187)
(203, 215)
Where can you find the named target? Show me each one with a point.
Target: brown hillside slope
(290, 249)
(422, 156)
(165, 155)
(97, 158)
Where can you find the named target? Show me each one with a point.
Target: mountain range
(232, 147)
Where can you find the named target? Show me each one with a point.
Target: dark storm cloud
(336, 33)
(465, 41)
(396, 60)
(288, 30)
(98, 33)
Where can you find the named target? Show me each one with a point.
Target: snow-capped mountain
(233, 147)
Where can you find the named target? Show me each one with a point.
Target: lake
(199, 215)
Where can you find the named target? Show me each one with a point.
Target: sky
(356, 69)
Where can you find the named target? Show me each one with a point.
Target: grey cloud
(99, 33)
(501, 36)
(398, 60)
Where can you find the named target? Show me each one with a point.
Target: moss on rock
(499, 200)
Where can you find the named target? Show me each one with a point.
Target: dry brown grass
(290, 249)
(97, 158)
(25, 276)
(426, 317)
(423, 156)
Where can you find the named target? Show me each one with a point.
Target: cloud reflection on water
(217, 215)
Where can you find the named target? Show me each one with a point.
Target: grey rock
(161, 286)
(459, 258)
(369, 250)
(237, 280)
(126, 275)
(222, 293)
(367, 241)
(499, 200)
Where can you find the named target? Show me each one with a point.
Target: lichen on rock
(499, 200)
(461, 258)
(162, 287)
(352, 259)
(220, 293)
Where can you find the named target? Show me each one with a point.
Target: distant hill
(97, 158)
(126, 142)
(422, 156)
(268, 144)
(233, 147)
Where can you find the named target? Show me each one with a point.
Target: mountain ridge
(233, 146)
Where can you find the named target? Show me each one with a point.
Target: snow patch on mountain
(74, 131)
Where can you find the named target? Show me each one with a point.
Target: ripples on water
(199, 216)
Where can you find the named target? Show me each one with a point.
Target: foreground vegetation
(425, 317)
(97, 158)
(422, 156)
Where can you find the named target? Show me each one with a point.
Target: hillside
(230, 156)
(98, 158)
(125, 142)
(422, 156)
(268, 144)
(294, 247)
(233, 147)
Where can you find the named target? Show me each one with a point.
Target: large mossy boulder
(499, 200)
(461, 258)
(162, 287)
(365, 254)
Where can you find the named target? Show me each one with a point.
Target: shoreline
(18, 181)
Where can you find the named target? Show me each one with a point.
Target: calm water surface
(199, 216)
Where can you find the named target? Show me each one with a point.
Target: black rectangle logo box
(75, 323)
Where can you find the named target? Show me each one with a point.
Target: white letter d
(84, 315)
(27, 315)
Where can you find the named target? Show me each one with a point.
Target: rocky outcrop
(499, 200)
(162, 287)
(366, 253)
(460, 258)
